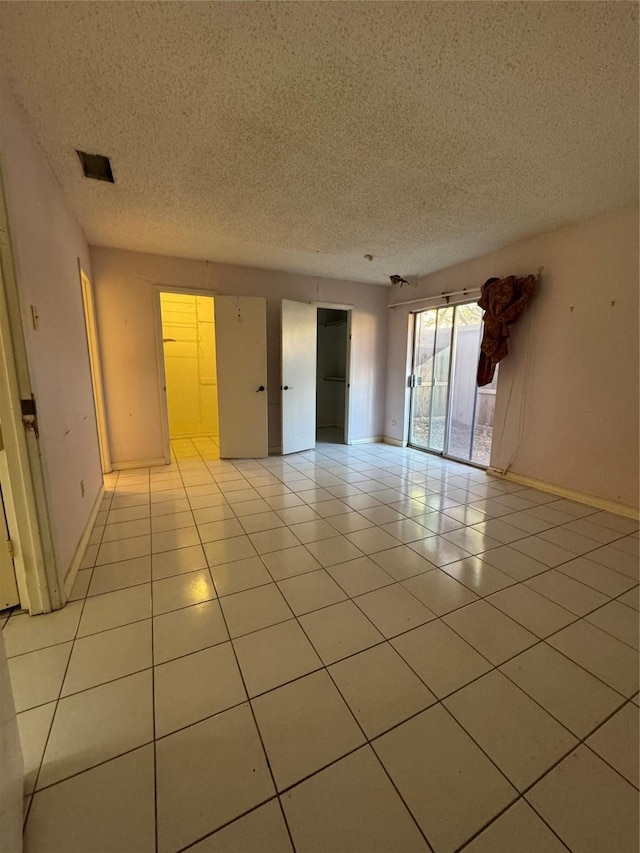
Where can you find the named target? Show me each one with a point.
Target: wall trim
(570, 494)
(140, 463)
(396, 442)
(72, 571)
(373, 439)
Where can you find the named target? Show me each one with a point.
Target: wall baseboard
(569, 494)
(72, 571)
(141, 463)
(394, 441)
(374, 439)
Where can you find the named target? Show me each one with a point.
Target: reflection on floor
(348, 649)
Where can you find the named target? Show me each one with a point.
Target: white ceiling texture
(303, 136)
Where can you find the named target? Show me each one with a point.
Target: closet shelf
(334, 378)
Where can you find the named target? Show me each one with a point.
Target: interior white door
(241, 354)
(299, 336)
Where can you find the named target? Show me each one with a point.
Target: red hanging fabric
(503, 300)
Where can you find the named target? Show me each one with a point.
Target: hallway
(358, 648)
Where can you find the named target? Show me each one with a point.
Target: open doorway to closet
(450, 415)
(188, 338)
(331, 375)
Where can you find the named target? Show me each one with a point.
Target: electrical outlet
(82, 487)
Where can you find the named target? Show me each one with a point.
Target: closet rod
(444, 295)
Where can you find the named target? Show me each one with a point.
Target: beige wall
(126, 296)
(47, 245)
(567, 401)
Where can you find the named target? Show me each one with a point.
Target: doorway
(331, 375)
(191, 376)
(449, 414)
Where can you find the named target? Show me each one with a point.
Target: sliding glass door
(449, 414)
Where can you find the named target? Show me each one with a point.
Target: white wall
(567, 400)
(47, 244)
(125, 286)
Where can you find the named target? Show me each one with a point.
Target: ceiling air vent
(96, 166)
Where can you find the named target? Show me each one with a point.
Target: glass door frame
(444, 453)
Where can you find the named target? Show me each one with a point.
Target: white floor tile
(608, 659)
(516, 733)
(98, 724)
(588, 805)
(187, 630)
(254, 609)
(215, 790)
(519, 828)
(453, 793)
(617, 742)
(352, 807)
(240, 575)
(371, 540)
(442, 659)
(108, 655)
(273, 540)
(339, 631)
(478, 576)
(36, 677)
(114, 609)
(532, 610)
(182, 591)
(401, 562)
(172, 521)
(207, 775)
(311, 591)
(290, 562)
(34, 727)
(228, 550)
(490, 632)
(338, 549)
(273, 656)
(262, 829)
(618, 620)
(180, 561)
(380, 688)
(567, 592)
(121, 575)
(199, 685)
(305, 725)
(393, 610)
(182, 537)
(123, 549)
(126, 530)
(24, 633)
(513, 563)
(597, 577)
(110, 807)
(439, 592)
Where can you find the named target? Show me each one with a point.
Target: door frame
(23, 486)
(338, 306)
(93, 348)
(162, 376)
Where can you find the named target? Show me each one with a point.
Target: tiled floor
(351, 649)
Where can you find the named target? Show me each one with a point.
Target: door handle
(286, 387)
(261, 388)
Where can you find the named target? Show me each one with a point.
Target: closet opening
(190, 369)
(332, 380)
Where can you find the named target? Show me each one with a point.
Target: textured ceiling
(302, 136)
